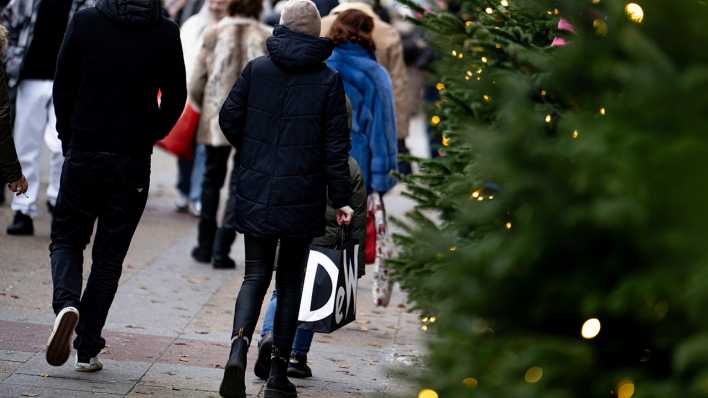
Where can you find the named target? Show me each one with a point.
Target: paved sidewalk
(169, 327)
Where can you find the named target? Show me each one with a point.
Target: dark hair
(354, 26)
(246, 8)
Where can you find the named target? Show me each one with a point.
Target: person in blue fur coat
(368, 87)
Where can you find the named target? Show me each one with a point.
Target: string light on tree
(505, 3)
(435, 120)
(533, 375)
(600, 27)
(508, 225)
(634, 12)
(575, 134)
(487, 98)
(625, 388)
(603, 111)
(445, 140)
(470, 382)
(427, 393)
(440, 86)
(548, 118)
(591, 328)
(489, 10)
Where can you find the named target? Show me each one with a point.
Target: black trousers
(217, 162)
(110, 191)
(260, 258)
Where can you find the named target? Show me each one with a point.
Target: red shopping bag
(180, 140)
(370, 240)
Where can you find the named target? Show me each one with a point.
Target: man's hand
(18, 187)
(344, 215)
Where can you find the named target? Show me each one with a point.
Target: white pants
(35, 122)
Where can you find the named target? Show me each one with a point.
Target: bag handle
(344, 234)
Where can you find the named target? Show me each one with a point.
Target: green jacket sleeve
(359, 205)
(358, 225)
(10, 170)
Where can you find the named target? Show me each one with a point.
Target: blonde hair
(3, 38)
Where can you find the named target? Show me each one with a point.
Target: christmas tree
(557, 250)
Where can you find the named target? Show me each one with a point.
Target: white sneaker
(195, 208)
(93, 365)
(59, 344)
(182, 203)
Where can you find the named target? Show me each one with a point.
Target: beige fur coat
(226, 50)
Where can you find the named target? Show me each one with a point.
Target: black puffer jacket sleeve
(337, 146)
(173, 86)
(66, 83)
(10, 170)
(232, 117)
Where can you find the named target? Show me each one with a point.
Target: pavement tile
(196, 353)
(15, 391)
(134, 347)
(15, 356)
(117, 377)
(22, 336)
(60, 383)
(7, 368)
(192, 378)
(145, 391)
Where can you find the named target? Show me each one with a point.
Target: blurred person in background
(181, 10)
(190, 172)
(370, 91)
(389, 53)
(226, 49)
(113, 61)
(10, 169)
(36, 30)
(287, 118)
(272, 17)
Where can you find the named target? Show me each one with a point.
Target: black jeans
(217, 162)
(260, 258)
(111, 191)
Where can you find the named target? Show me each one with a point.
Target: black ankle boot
(234, 383)
(205, 242)
(297, 367)
(265, 349)
(22, 225)
(278, 385)
(225, 238)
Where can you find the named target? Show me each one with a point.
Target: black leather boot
(278, 385)
(22, 225)
(234, 383)
(225, 238)
(205, 242)
(265, 349)
(298, 367)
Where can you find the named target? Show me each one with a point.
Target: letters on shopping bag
(330, 289)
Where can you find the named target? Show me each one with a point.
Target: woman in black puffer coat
(287, 118)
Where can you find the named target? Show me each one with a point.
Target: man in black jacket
(287, 118)
(114, 61)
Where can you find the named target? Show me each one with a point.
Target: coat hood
(132, 12)
(294, 50)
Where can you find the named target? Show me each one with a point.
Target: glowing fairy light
(591, 328)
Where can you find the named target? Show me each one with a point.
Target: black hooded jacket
(115, 59)
(287, 118)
